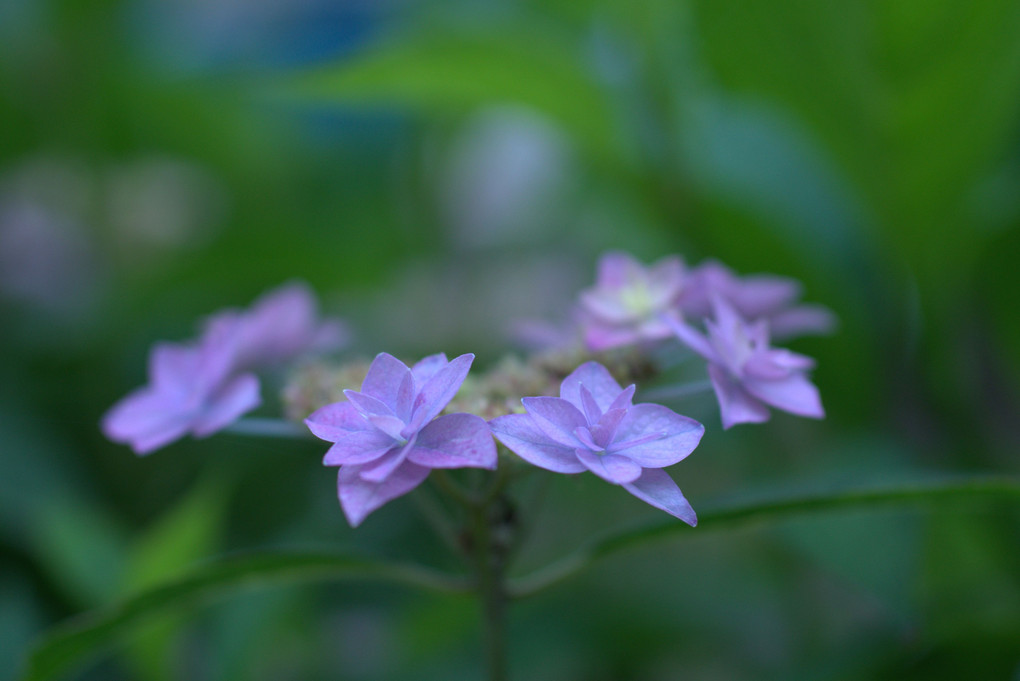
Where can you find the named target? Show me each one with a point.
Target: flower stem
(261, 427)
(490, 572)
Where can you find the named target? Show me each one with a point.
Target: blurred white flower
(159, 203)
(507, 178)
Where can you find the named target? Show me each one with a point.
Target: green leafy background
(868, 149)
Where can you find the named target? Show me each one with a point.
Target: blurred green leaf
(914, 103)
(71, 643)
(184, 535)
(19, 616)
(83, 548)
(451, 73)
(181, 537)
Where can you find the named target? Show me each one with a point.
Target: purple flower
(749, 376)
(759, 296)
(594, 426)
(387, 437)
(279, 326)
(628, 301)
(192, 389)
(203, 387)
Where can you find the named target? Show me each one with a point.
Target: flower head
(387, 437)
(203, 387)
(747, 374)
(594, 426)
(759, 296)
(627, 303)
(192, 389)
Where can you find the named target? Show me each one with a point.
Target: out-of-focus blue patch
(232, 35)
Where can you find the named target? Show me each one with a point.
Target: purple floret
(203, 387)
(594, 426)
(758, 296)
(747, 374)
(628, 300)
(387, 436)
(192, 390)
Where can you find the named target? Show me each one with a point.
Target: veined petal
(521, 436)
(239, 396)
(597, 379)
(736, 405)
(390, 381)
(655, 487)
(613, 468)
(335, 421)
(455, 441)
(604, 432)
(368, 405)
(795, 394)
(676, 436)
(391, 425)
(556, 417)
(591, 410)
(584, 436)
(427, 367)
(359, 497)
(439, 390)
(624, 400)
(383, 467)
(359, 447)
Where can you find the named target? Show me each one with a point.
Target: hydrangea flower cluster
(633, 304)
(563, 409)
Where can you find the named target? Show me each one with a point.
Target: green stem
(490, 572)
(262, 427)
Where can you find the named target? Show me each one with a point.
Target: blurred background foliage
(436, 170)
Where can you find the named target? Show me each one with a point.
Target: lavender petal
(359, 497)
(657, 488)
(455, 441)
(520, 435)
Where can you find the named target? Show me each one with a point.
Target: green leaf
(775, 508)
(71, 643)
(82, 547)
(181, 537)
(454, 73)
